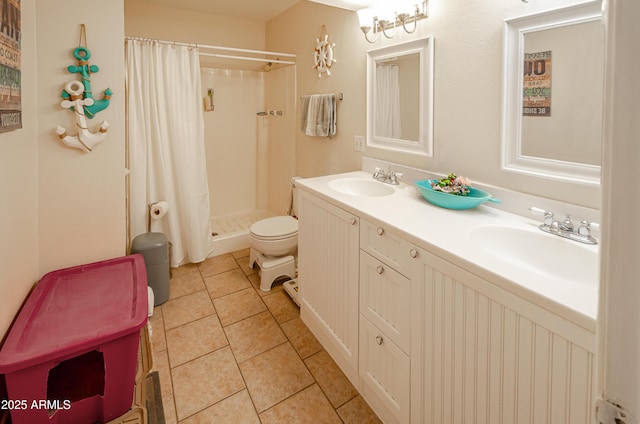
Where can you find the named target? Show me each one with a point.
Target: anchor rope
(83, 36)
(82, 42)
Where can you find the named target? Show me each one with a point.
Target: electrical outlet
(358, 143)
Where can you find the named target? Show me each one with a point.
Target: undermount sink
(546, 254)
(361, 187)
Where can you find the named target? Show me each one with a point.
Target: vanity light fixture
(385, 17)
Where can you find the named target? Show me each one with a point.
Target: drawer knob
(353, 221)
(380, 231)
(413, 253)
(379, 340)
(379, 269)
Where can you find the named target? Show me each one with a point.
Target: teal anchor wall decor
(78, 97)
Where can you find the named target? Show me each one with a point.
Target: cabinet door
(328, 277)
(481, 354)
(385, 371)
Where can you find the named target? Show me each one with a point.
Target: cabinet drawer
(385, 370)
(384, 244)
(385, 299)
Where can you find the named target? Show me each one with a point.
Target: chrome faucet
(565, 228)
(567, 225)
(389, 177)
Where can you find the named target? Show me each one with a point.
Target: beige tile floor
(226, 352)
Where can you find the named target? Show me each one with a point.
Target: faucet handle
(584, 232)
(585, 228)
(393, 176)
(548, 215)
(537, 211)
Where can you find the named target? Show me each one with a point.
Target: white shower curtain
(166, 146)
(387, 97)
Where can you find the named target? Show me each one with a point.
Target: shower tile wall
(250, 158)
(232, 133)
(281, 154)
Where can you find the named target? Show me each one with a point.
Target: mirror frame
(424, 145)
(513, 50)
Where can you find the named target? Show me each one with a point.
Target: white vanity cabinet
(328, 274)
(385, 296)
(427, 340)
(481, 354)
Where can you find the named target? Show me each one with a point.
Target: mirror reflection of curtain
(387, 103)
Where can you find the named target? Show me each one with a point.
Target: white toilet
(273, 243)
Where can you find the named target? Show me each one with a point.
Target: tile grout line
(315, 381)
(288, 340)
(166, 348)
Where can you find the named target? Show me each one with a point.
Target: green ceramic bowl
(474, 198)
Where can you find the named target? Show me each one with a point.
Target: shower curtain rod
(256, 59)
(231, 49)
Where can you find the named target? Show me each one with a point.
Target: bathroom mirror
(400, 97)
(553, 86)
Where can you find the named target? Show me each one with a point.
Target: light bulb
(365, 16)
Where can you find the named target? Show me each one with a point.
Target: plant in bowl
(452, 184)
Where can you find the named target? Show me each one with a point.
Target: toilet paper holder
(156, 210)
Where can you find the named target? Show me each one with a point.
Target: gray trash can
(155, 249)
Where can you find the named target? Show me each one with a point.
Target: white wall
(151, 20)
(19, 188)
(81, 196)
(61, 207)
(467, 98)
(468, 90)
(296, 31)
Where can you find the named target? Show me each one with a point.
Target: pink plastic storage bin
(72, 352)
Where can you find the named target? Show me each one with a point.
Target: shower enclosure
(244, 112)
(249, 143)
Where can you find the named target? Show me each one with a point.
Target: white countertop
(445, 233)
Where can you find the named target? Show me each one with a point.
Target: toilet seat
(275, 236)
(273, 241)
(275, 228)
